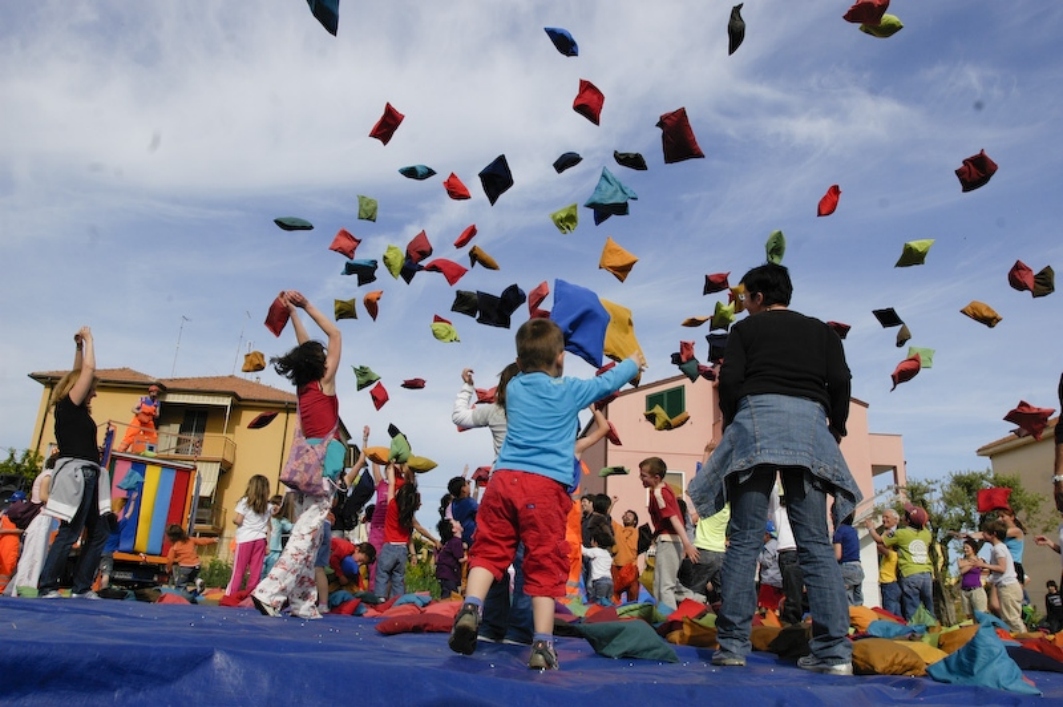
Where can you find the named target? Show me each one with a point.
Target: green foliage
(217, 573)
(953, 502)
(422, 578)
(1031, 508)
(27, 465)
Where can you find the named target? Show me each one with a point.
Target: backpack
(22, 513)
(351, 504)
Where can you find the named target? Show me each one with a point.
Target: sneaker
(264, 608)
(86, 595)
(728, 660)
(543, 656)
(463, 635)
(199, 586)
(816, 665)
(50, 594)
(322, 608)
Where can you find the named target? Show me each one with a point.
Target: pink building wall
(867, 454)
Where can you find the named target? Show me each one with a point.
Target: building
(876, 460)
(1032, 461)
(202, 420)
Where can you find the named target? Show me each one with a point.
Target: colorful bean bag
(982, 661)
(881, 656)
(628, 639)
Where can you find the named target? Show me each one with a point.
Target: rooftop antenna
(178, 347)
(240, 343)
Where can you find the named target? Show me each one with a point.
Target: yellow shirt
(887, 567)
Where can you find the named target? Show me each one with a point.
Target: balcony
(205, 447)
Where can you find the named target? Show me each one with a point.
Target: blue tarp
(80, 652)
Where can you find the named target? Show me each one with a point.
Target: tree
(27, 465)
(952, 503)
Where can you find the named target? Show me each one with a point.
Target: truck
(154, 493)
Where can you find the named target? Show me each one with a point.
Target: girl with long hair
(311, 367)
(80, 494)
(252, 520)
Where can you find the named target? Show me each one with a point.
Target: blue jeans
(917, 589)
(806, 504)
(853, 576)
(391, 567)
(891, 597)
(793, 588)
(602, 591)
(504, 618)
(87, 517)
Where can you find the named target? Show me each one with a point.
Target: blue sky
(145, 149)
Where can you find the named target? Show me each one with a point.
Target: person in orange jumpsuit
(141, 431)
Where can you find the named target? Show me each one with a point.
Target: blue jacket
(542, 419)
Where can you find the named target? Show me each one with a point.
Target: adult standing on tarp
(81, 491)
(784, 394)
(38, 533)
(312, 367)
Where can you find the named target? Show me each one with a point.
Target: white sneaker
(86, 595)
(816, 665)
(51, 594)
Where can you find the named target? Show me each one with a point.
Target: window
(672, 401)
(190, 435)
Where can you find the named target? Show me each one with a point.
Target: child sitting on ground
(601, 560)
(183, 554)
(450, 558)
(526, 501)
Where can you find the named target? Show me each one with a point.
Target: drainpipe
(284, 436)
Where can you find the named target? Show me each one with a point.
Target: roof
(1015, 440)
(241, 388)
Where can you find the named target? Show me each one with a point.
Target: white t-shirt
(601, 562)
(255, 525)
(1001, 555)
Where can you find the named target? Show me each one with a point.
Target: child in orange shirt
(183, 553)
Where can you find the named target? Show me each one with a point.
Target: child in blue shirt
(526, 500)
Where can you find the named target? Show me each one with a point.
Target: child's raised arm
(361, 461)
(600, 431)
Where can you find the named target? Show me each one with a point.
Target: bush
(422, 578)
(217, 573)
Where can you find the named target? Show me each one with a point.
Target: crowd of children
(284, 545)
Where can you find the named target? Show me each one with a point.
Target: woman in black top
(80, 493)
(784, 395)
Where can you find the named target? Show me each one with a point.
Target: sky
(145, 149)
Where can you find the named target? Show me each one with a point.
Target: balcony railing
(207, 446)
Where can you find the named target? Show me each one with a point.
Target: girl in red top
(312, 367)
(403, 502)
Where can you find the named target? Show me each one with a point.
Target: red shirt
(393, 531)
(318, 412)
(663, 507)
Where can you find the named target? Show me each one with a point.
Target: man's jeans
(505, 618)
(917, 589)
(793, 588)
(807, 509)
(891, 597)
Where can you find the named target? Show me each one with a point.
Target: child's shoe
(463, 635)
(543, 656)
